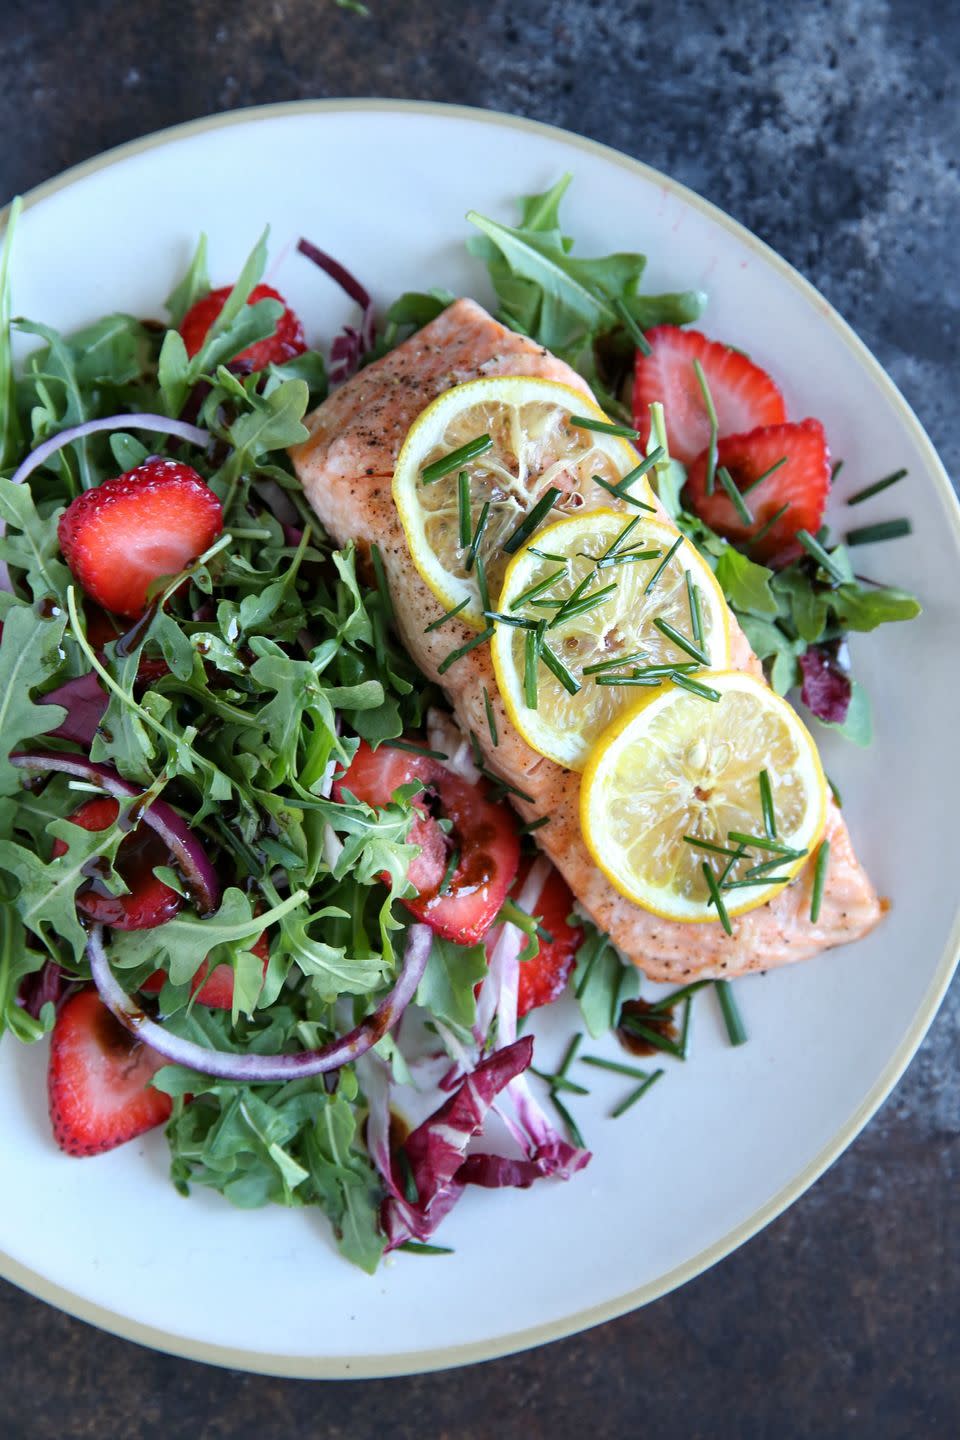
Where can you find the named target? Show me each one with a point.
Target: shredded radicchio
(434, 1152)
(351, 344)
(826, 685)
(85, 701)
(48, 985)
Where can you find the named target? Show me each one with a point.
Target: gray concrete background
(833, 131)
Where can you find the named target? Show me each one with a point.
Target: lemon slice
(637, 568)
(534, 447)
(677, 765)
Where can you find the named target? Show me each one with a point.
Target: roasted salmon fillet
(346, 468)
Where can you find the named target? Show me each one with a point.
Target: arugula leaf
(29, 657)
(194, 285)
(601, 981)
(745, 583)
(447, 986)
(345, 1183)
(31, 544)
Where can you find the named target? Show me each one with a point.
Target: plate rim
(409, 1362)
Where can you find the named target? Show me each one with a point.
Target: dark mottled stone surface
(833, 131)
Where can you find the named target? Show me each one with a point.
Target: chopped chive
(663, 564)
(407, 1178)
(557, 668)
(765, 842)
(651, 1035)
(705, 692)
(481, 573)
(635, 1095)
(600, 665)
(816, 550)
(540, 588)
(517, 622)
(885, 530)
(771, 470)
(546, 555)
(766, 805)
(477, 535)
(531, 654)
(627, 530)
(569, 1121)
(765, 867)
(768, 525)
(819, 879)
(835, 469)
(435, 624)
(416, 1247)
(714, 425)
(531, 520)
(734, 495)
(579, 604)
(837, 797)
(559, 1082)
(504, 787)
(875, 488)
(619, 494)
(455, 459)
(752, 884)
(475, 750)
(682, 667)
(716, 897)
(684, 644)
(674, 998)
(491, 718)
(627, 557)
(532, 825)
(382, 586)
(449, 873)
(685, 1025)
(696, 618)
(414, 749)
(459, 653)
(570, 1054)
(650, 681)
(736, 1030)
(734, 860)
(605, 427)
(707, 845)
(463, 505)
(632, 328)
(617, 1067)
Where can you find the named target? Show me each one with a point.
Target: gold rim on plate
(409, 1363)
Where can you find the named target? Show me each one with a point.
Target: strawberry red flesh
(150, 902)
(802, 483)
(97, 1080)
(286, 341)
(743, 395)
(483, 836)
(121, 537)
(211, 988)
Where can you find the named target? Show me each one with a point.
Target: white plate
(726, 1141)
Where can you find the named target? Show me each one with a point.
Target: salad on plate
(354, 708)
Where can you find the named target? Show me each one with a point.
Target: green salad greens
(252, 678)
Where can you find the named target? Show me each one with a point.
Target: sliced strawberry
(150, 902)
(743, 395)
(286, 341)
(97, 1080)
(802, 483)
(483, 835)
(544, 978)
(128, 532)
(214, 989)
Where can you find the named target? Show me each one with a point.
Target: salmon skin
(346, 469)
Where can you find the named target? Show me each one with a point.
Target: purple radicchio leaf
(85, 701)
(351, 344)
(826, 687)
(49, 984)
(435, 1150)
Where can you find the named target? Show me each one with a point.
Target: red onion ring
(161, 817)
(162, 424)
(260, 1069)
